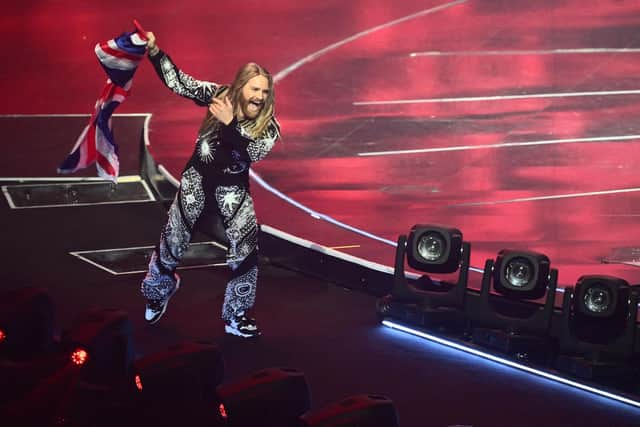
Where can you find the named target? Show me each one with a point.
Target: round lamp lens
(597, 299)
(431, 246)
(519, 272)
(79, 357)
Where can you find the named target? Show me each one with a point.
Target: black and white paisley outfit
(215, 181)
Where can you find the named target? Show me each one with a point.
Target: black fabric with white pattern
(223, 153)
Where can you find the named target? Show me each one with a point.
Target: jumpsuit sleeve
(256, 148)
(201, 92)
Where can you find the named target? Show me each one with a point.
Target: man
(239, 128)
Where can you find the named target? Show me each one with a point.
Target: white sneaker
(242, 326)
(154, 309)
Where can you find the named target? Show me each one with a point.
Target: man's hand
(152, 47)
(222, 110)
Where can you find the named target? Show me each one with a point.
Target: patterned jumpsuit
(215, 181)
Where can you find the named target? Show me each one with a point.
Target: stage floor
(330, 333)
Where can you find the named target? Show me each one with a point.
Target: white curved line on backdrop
(312, 57)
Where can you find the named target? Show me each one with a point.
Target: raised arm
(179, 82)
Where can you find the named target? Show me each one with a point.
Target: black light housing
(521, 274)
(26, 323)
(190, 370)
(177, 385)
(517, 275)
(601, 296)
(272, 396)
(597, 330)
(599, 315)
(434, 249)
(523, 330)
(27, 344)
(107, 338)
(359, 410)
(97, 351)
(431, 249)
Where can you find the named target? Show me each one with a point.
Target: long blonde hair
(258, 125)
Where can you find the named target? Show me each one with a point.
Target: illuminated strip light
(523, 52)
(510, 363)
(499, 97)
(503, 145)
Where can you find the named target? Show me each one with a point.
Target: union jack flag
(120, 58)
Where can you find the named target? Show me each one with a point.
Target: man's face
(254, 95)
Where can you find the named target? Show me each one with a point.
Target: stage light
(100, 342)
(177, 385)
(222, 411)
(91, 361)
(439, 303)
(26, 323)
(515, 324)
(434, 249)
(270, 397)
(26, 341)
(187, 371)
(138, 382)
(359, 410)
(598, 330)
(601, 296)
(599, 310)
(521, 274)
(79, 357)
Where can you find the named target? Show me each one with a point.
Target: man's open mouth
(255, 105)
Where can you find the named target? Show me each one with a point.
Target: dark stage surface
(515, 121)
(328, 332)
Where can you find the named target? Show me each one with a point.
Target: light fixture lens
(222, 411)
(431, 246)
(3, 336)
(597, 299)
(138, 381)
(519, 272)
(79, 357)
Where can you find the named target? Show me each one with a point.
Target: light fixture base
(522, 347)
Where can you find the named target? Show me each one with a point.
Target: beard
(251, 108)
